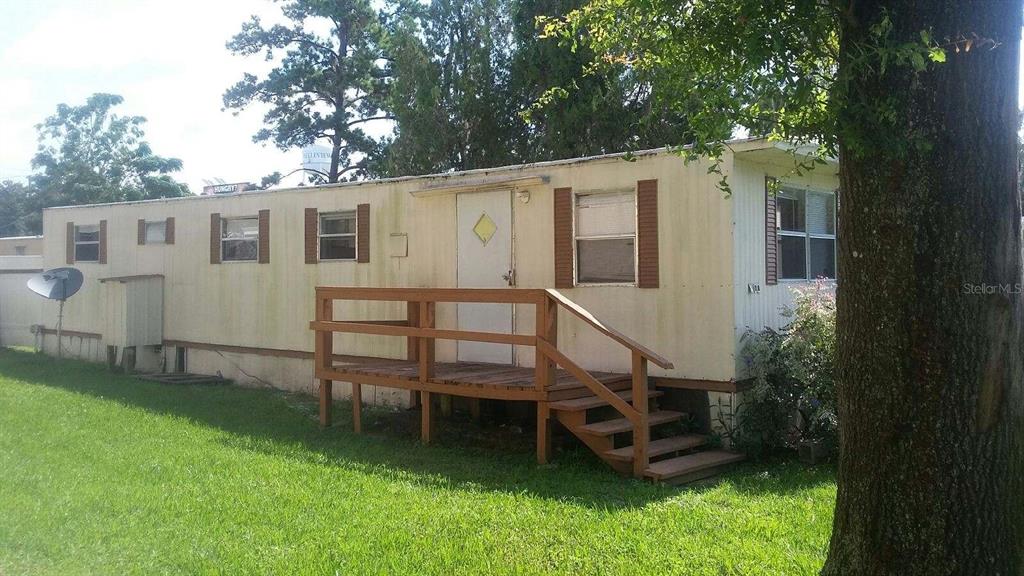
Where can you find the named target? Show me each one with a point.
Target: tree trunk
(332, 176)
(929, 303)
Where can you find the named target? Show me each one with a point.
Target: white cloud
(166, 58)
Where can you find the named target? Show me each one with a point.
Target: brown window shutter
(103, 242)
(215, 238)
(363, 233)
(142, 232)
(70, 243)
(312, 227)
(771, 240)
(263, 255)
(169, 231)
(648, 274)
(564, 253)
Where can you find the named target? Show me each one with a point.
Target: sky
(166, 58)
(168, 61)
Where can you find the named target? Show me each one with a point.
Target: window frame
(354, 234)
(145, 231)
(223, 227)
(576, 237)
(806, 234)
(95, 242)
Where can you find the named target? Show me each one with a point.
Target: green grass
(104, 474)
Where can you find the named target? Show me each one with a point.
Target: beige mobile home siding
(26, 245)
(20, 308)
(690, 319)
(134, 312)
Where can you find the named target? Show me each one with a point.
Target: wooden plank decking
(476, 379)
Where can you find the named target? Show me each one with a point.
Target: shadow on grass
(465, 457)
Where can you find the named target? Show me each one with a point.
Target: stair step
(660, 447)
(588, 402)
(692, 466)
(570, 390)
(609, 427)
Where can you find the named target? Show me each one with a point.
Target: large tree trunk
(929, 303)
(335, 171)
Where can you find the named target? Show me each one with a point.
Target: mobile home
(651, 265)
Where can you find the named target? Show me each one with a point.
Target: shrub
(792, 400)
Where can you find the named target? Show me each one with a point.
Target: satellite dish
(57, 284)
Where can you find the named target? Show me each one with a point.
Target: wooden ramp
(615, 414)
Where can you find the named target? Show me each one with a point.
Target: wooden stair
(673, 459)
(620, 425)
(691, 467)
(660, 447)
(591, 401)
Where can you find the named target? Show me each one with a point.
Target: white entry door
(485, 261)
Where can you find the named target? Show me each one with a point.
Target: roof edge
(437, 176)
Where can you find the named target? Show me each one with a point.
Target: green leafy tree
(16, 218)
(470, 74)
(919, 102)
(324, 86)
(88, 154)
(570, 113)
(452, 99)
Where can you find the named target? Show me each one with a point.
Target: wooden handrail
(599, 389)
(414, 331)
(612, 333)
(480, 295)
(419, 328)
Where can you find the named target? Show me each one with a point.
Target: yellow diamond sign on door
(485, 228)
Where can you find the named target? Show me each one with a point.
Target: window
(338, 236)
(807, 234)
(239, 239)
(606, 238)
(87, 243)
(156, 232)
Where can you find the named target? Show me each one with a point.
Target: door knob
(509, 277)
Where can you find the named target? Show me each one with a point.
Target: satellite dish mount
(57, 284)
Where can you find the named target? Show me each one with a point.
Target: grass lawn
(105, 474)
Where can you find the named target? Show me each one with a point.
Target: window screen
(87, 243)
(606, 237)
(338, 236)
(239, 239)
(806, 234)
(156, 232)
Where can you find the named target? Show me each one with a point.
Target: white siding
(757, 310)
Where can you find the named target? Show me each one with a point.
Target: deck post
(324, 350)
(426, 345)
(543, 432)
(325, 403)
(641, 428)
(425, 355)
(427, 421)
(412, 345)
(547, 329)
(544, 370)
(357, 408)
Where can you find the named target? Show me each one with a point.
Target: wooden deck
(473, 379)
(561, 388)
